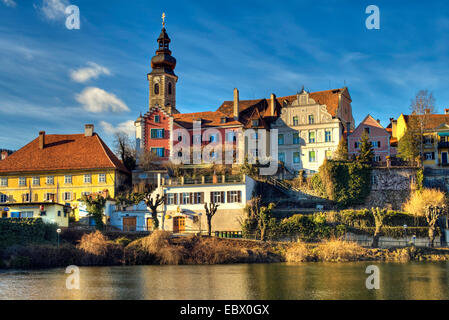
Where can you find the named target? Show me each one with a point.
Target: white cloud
(9, 3)
(97, 100)
(126, 127)
(93, 71)
(53, 9)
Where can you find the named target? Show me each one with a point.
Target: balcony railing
(218, 179)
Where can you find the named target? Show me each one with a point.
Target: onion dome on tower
(163, 61)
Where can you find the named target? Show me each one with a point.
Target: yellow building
(436, 137)
(60, 169)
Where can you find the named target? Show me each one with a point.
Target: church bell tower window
(156, 88)
(169, 88)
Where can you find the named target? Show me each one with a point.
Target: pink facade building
(378, 135)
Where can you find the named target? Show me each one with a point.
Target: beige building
(310, 127)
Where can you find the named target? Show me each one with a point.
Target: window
(85, 193)
(312, 156)
(160, 152)
(328, 136)
(68, 179)
(22, 181)
(428, 140)
(367, 130)
(59, 213)
(170, 88)
(356, 145)
(375, 144)
(49, 197)
(50, 180)
(230, 136)
(295, 138)
(157, 133)
(295, 121)
(373, 180)
(281, 156)
(26, 197)
(376, 158)
(281, 139)
(179, 154)
(223, 120)
(217, 197)
(102, 178)
(171, 199)
(255, 136)
(67, 196)
(87, 178)
(213, 138)
(328, 154)
(3, 182)
(429, 155)
(156, 88)
(3, 198)
(36, 181)
(180, 137)
(311, 119)
(157, 119)
(196, 139)
(296, 157)
(185, 198)
(198, 197)
(255, 123)
(234, 196)
(311, 136)
(26, 214)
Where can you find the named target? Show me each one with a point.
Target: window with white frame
(22, 181)
(36, 181)
(68, 179)
(26, 214)
(312, 156)
(311, 136)
(376, 158)
(3, 198)
(67, 196)
(185, 198)
(26, 197)
(296, 157)
(102, 178)
(217, 197)
(328, 136)
(87, 178)
(49, 197)
(198, 197)
(281, 156)
(311, 119)
(295, 121)
(373, 179)
(3, 182)
(85, 193)
(234, 196)
(50, 180)
(170, 198)
(230, 136)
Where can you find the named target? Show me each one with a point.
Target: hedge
(24, 231)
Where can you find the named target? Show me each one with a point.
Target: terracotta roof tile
(209, 119)
(433, 121)
(63, 152)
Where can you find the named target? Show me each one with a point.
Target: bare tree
(379, 216)
(153, 204)
(148, 160)
(433, 214)
(211, 209)
(422, 107)
(125, 150)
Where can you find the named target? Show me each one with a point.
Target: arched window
(156, 88)
(169, 88)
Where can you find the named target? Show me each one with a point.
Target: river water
(310, 281)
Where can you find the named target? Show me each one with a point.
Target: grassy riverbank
(95, 249)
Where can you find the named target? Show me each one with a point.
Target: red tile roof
(209, 119)
(63, 152)
(433, 120)
(330, 98)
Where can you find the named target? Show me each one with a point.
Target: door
(179, 224)
(150, 224)
(444, 158)
(129, 223)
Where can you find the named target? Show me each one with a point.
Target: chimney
(236, 104)
(394, 124)
(446, 111)
(89, 130)
(272, 104)
(41, 140)
(378, 121)
(4, 155)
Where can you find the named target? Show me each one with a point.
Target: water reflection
(245, 281)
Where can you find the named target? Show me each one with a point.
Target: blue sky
(55, 79)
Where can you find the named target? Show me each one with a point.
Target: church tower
(162, 79)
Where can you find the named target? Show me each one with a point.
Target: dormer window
(223, 120)
(255, 122)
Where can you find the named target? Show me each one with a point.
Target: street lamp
(58, 231)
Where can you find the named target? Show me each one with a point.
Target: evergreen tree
(409, 145)
(342, 150)
(366, 149)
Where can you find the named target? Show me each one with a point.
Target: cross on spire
(163, 19)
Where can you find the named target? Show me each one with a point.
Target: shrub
(420, 199)
(99, 250)
(299, 252)
(337, 250)
(26, 231)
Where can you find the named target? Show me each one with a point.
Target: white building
(310, 127)
(183, 210)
